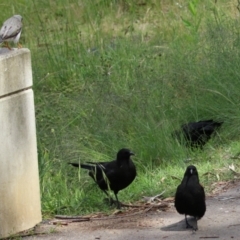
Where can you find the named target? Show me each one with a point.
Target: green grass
(119, 74)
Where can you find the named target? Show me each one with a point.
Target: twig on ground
(234, 225)
(210, 237)
(151, 199)
(81, 219)
(71, 217)
(161, 205)
(26, 234)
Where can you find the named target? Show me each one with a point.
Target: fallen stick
(210, 237)
(81, 219)
(161, 205)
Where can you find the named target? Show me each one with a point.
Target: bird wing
(109, 172)
(10, 28)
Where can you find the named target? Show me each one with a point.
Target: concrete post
(20, 207)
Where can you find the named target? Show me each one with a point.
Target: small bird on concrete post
(11, 31)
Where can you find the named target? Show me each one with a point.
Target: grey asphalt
(221, 221)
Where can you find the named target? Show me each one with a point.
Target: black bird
(190, 196)
(197, 134)
(115, 175)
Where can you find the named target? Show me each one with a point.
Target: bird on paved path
(190, 196)
(115, 175)
(197, 134)
(11, 31)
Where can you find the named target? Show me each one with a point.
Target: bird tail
(88, 166)
(213, 125)
(74, 164)
(218, 124)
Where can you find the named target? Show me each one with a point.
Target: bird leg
(19, 45)
(112, 201)
(109, 198)
(188, 225)
(7, 45)
(118, 203)
(196, 228)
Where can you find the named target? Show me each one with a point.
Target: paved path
(221, 221)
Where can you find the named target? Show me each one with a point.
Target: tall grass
(113, 74)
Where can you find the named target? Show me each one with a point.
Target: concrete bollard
(20, 207)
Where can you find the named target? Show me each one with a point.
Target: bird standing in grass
(190, 196)
(11, 31)
(115, 175)
(197, 134)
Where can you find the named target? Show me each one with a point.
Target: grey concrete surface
(20, 207)
(221, 221)
(15, 70)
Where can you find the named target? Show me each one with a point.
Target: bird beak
(191, 171)
(131, 153)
